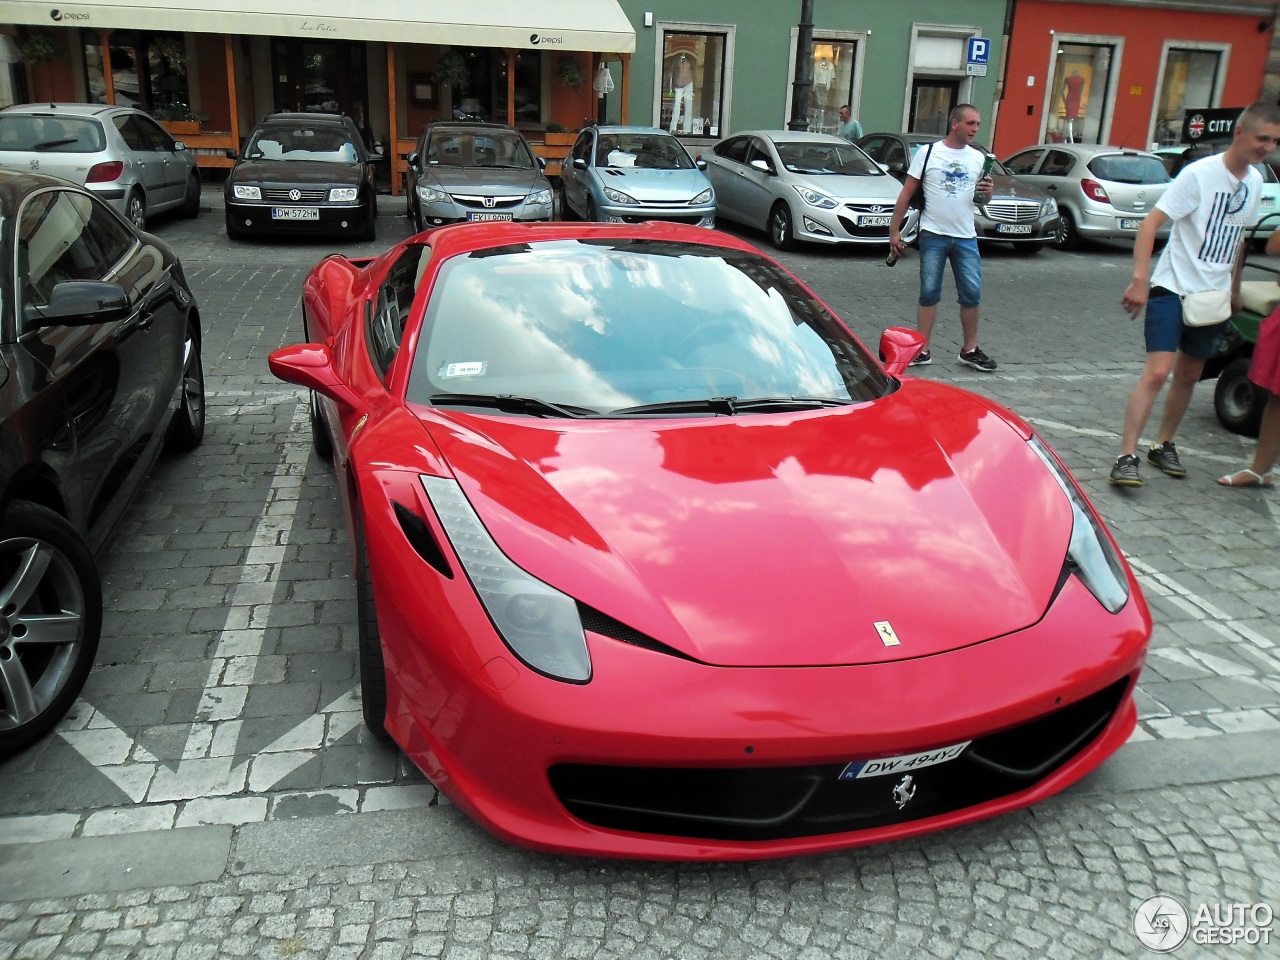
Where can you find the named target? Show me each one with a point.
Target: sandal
(1251, 479)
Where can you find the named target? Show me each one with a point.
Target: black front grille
(673, 218)
(1013, 211)
(851, 227)
(772, 803)
(478, 202)
(277, 195)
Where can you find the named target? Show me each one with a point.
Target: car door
(1053, 175)
(109, 373)
(761, 183)
(148, 164)
(724, 170)
(575, 178)
(171, 187)
(1024, 163)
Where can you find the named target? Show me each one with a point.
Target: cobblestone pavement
(214, 793)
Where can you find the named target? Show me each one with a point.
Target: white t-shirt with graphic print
(1210, 210)
(948, 188)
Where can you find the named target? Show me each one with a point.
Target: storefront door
(320, 77)
(932, 101)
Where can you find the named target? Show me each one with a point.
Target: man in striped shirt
(1210, 204)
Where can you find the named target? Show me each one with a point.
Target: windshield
(650, 151)
(826, 158)
(286, 142)
(611, 324)
(25, 132)
(497, 149)
(1129, 168)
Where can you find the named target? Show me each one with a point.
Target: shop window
(1190, 81)
(528, 88)
(691, 98)
(1078, 110)
(833, 83)
(148, 71)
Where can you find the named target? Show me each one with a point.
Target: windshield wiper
(728, 406)
(50, 144)
(510, 404)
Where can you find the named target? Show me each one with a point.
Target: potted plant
(570, 72)
(451, 71)
(38, 46)
(178, 119)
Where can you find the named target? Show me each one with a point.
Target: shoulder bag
(1206, 308)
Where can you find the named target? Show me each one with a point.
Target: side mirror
(883, 166)
(762, 166)
(412, 159)
(232, 155)
(378, 151)
(312, 365)
(542, 163)
(898, 347)
(580, 163)
(77, 303)
(178, 146)
(700, 164)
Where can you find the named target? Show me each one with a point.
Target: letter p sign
(979, 50)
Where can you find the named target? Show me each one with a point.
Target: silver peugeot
(804, 186)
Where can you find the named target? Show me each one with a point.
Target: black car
(302, 173)
(99, 371)
(475, 171)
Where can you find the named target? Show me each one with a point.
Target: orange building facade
(1127, 73)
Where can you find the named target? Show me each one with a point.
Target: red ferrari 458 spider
(656, 560)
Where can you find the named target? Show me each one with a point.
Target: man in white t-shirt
(1211, 204)
(951, 172)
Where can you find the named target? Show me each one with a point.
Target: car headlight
(343, 194)
(431, 194)
(816, 199)
(1090, 555)
(700, 199)
(617, 196)
(1049, 207)
(539, 623)
(539, 196)
(246, 193)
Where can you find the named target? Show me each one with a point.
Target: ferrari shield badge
(885, 629)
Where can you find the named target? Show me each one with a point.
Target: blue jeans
(1166, 333)
(966, 267)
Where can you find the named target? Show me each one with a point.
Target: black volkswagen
(99, 371)
(302, 173)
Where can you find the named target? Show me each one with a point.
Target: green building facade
(709, 68)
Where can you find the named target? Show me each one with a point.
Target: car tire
(566, 211)
(233, 232)
(592, 215)
(321, 441)
(1236, 401)
(186, 429)
(66, 587)
(373, 671)
(780, 232)
(415, 217)
(370, 231)
(1067, 237)
(191, 202)
(135, 209)
(1027, 249)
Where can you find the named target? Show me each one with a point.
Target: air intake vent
(419, 535)
(606, 626)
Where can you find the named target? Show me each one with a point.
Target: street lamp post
(804, 69)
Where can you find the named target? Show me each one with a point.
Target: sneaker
(923, 359)
(1166, 458)
(978, 360)
(1125, 472)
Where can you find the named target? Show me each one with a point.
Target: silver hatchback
(119, 154)
(1103, 193)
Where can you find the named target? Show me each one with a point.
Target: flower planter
(182, 128)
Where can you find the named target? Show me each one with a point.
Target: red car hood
(779, 540)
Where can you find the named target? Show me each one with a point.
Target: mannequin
(1072, 92)
(682, 85)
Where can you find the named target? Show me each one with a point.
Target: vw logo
(295, 194)
(490, 201)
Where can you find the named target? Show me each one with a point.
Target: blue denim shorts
(966, 267)
(1166, 333)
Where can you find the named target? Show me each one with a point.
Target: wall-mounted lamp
(648, 18)
(603, 82)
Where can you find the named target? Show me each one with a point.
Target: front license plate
(488, 216)
(865, 221)
(886, 766)
(1268, 201)
(295, 213)
(1013, 228)
(1131, 224)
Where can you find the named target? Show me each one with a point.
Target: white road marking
(206, 767)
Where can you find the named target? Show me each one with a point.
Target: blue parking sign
(979, 50)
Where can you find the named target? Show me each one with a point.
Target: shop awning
(598, 26)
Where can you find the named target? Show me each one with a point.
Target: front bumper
(700, 216)
(1014, 222)
(663, 757)
(851, 223)
(438, 214)
(328, 218)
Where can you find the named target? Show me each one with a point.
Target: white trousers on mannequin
(684, 98)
